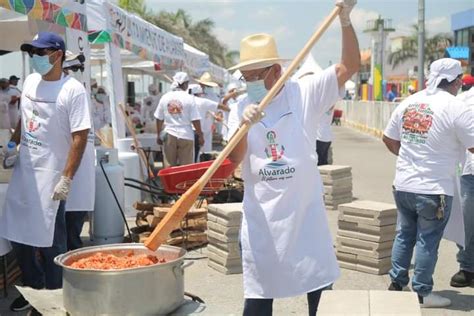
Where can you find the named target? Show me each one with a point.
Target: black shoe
(34, 312)
(395, 287)
(19, 304)
(462, 279)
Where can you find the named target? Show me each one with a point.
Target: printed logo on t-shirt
(277, 168)
(175, 107)
(417, 121)
(32, 125)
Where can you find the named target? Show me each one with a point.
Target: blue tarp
(457, 52)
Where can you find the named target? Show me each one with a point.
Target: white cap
(195, 89)
(180, 78)
(444, 68)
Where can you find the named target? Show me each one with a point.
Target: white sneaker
(434, 301)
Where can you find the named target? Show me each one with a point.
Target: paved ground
(373, 170)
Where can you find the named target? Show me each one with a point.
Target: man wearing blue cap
(52, 132)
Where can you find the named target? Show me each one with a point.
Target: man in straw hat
(178, 111)
(287, 248)
(428, 131)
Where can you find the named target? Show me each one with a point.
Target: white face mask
(94, 90)
(256, 90)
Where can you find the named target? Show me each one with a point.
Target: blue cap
(45, 40)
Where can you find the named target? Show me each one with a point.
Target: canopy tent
(15, 30)
(195, 61)
(219, 74)
(309, 66)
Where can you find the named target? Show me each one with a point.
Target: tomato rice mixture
(105, 261)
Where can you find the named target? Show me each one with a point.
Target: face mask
(100, 97)
(256, 90)
(41, 64)
(94, 91)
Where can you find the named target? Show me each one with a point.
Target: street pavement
(373, 171)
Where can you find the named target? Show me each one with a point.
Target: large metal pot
(151, 290)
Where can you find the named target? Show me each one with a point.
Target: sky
(292, 22)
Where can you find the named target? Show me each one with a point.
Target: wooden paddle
(136, 142)
(181, 207)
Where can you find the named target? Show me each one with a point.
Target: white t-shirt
(434, 131)
(324, 131)
(70, 97)
(177, 109)
(4, 113)
(204, 106)
(149, 105)
(316, 93)
(468, 98)
(235, 115)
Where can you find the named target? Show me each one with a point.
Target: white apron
(29, 213)
(287, 248)
(455, 229)
(82, 195)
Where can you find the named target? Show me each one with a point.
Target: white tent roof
(195, 61)
(309, 65)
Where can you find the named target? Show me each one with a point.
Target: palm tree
(434, 48)
(135, 6)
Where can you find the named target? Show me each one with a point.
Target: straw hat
(206, 79)
(257, 51)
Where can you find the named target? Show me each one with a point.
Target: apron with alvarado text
(30, 213)
(287, 248)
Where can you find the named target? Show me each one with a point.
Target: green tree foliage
(434, 48)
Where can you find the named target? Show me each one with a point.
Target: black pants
(322, 149)
(196, 147)
(74, 223)
(264, 306)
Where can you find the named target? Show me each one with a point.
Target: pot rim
(60, 259)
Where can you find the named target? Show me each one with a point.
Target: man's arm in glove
(79, 142)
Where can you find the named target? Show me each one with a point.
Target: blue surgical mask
(100, 97)
(256, 90)
(41, 64)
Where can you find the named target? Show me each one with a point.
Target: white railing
(367, 116)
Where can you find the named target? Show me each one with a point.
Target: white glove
(9, 159)
(61, 190)
(252, 115)
(345, 13)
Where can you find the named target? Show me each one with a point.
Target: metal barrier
(367, 116)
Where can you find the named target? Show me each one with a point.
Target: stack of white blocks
(223, 223)
(366, 231)
(337, 181)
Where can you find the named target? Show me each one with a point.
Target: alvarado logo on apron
(30, 140)
(277, 168)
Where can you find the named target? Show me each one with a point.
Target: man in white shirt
(207, 110)
(286, 243)
(428, 131)
(150, 103)
(5, 99)
(178, 112)
(465, 276)
(52, 134)
(15, 94)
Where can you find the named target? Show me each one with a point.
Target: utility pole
(378, 29)
(421, 44)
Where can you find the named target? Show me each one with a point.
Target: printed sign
(144, 39)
